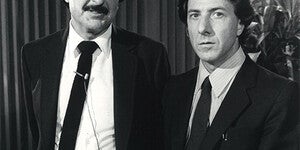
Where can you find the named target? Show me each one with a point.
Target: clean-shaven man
(227, 102)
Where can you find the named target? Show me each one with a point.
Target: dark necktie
(77, 96)
(201, 117)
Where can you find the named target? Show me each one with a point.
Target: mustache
(97, 8)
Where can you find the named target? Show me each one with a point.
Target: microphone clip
(85, 77)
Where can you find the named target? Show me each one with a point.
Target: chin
(97, 26)
(211, 59)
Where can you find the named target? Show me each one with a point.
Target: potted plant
(277, 28)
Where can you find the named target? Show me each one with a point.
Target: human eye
(217, 15)
(194, 16)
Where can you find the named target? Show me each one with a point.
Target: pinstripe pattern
(22, 21)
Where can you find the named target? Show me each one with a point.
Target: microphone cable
(85, 78)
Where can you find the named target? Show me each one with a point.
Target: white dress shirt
(254, 56)
(221, 79)
(96, 130)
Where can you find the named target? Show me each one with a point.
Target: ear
(187, 32)
(240, 28)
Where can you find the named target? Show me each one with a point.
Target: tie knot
(87, 47)
(206, 84)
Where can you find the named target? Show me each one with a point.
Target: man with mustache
(228, 102)
(94, 85)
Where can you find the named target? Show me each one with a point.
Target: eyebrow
(210, 10)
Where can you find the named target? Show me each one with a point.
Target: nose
(205, 27)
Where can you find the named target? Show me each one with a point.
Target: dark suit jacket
(140, 69)
(259, 112)
(264, 61)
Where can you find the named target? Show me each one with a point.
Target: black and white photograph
(149, 75)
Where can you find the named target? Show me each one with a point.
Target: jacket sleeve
(162, 70)
(27, 96)
(282, 126)
(155, 62)
(161, 74)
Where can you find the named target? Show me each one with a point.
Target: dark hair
(67, 5)
(242, 9)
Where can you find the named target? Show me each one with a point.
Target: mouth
(206, 43)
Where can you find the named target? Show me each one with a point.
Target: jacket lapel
(234, 103)
(50, 76)
(124, 72)
(181, 113)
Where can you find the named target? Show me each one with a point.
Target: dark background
(22, 21)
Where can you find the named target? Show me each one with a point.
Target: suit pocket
(241, 138)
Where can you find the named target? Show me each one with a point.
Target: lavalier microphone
(85, 77)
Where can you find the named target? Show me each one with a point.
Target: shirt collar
(103, 41)
(221, 76)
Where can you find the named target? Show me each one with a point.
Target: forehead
(210, 4)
